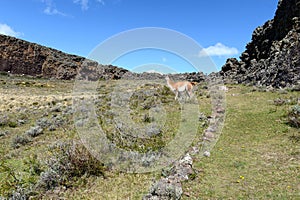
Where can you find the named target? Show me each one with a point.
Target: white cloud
(154, 71)
(83, 3)
(51, 9)
(218, 49)
(7, 30)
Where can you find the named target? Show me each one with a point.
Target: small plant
(294, 116)
(19, 141)
(3, 73)
(153, 131)
(43, 122)
(69, 162)
(147, 118)
(12, 124)
(9, 179)
(34, 131)
(4, 120)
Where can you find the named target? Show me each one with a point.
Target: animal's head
(167, 78)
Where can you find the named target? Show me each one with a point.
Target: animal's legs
(176, 94)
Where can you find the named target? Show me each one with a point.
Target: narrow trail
(169, 186)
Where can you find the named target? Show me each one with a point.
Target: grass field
(256, 157)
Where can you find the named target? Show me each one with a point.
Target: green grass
(256, 157)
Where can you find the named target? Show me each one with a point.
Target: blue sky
(222, 28)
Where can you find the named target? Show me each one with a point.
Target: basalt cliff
(272, 58)
(25, 58)
(22, 57)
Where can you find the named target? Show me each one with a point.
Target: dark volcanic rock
(192, 77)
(21, 57)
(272, 58)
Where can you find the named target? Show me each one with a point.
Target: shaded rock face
(21, 57)
(272, 58)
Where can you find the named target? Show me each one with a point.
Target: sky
(220, 28)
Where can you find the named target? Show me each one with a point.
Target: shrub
(49, 179)
(43, 122)
(4, 120)
(3, 73)
(153, 131)
(19, 141)
(70, 161)
(294, 116)
(12, 124)
(147, 118)
(19, 193)
(34, 131)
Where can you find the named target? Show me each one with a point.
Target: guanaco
(181, 86)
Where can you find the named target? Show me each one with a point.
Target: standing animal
(182, 86)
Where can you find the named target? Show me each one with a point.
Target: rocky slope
(272, 58)
(21, 57)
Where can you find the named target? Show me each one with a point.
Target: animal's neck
(170, 83)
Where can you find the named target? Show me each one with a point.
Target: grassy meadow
(257, 155)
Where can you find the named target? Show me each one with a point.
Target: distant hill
(272, 58)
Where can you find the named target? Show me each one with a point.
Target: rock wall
(21, 57)
(272, 58)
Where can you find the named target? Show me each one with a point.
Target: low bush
(19, 141)
(12, 124)
(294, 116)
(34, 131)
(4, 120)
(69, 161)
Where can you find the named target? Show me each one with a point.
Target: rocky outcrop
(21, 57)
(192, 77)
(272, 58)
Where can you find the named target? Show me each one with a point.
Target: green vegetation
(256, 157)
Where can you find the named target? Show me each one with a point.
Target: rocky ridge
(272, 58)
(25, 58)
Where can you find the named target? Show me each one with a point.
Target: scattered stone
(3, 133)
(209, 134)
(170, 187)
(21, 121)
(206, 153)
